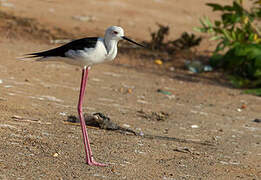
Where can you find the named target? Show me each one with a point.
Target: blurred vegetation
(238, 51)
(15, 27)
(158, 41)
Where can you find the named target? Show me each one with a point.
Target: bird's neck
(111, 45)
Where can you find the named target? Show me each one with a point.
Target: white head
(114, 33)
(117, 33)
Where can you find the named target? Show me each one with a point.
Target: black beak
(125, 38)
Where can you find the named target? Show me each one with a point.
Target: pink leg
(87, 147)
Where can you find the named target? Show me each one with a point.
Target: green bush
(243, 62)
(239, 42)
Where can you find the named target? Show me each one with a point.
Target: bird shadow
(99, 120)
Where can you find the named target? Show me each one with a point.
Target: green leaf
(217, 23)
(198, 29)
(220, 47)
(257, 74)
(230, 18)
(252, 51)
(238, 8)
(240, 36)
(215, 7)
(251, 37)
(239, 82)
(228, 8)
(256, 92)
(234, 35)
(227, 34)
(207, 22)
(258, 61)
(214, 38)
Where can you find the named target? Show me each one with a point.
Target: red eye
(115, 32)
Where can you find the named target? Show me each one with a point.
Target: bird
(85, 53)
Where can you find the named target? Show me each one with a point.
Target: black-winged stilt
(85, 53)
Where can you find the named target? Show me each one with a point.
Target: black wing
(78, 44)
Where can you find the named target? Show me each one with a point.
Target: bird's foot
(94, 163)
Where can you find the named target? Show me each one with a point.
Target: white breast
(112, 54)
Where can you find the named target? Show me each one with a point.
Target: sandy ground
(223, 142)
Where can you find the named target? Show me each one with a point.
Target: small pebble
(142, 101)
(126, 125)
(62, 113)
(172, 69)
(129, 91)
(158, 61)
(243, 106)
(113, 170)
(223, 162)
(194, 126)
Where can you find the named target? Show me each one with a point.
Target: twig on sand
(28, 119)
